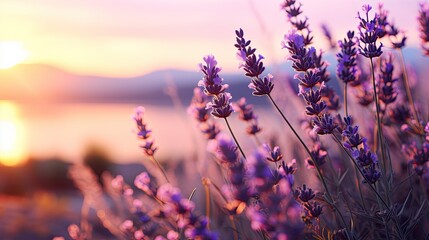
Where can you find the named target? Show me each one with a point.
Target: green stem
(235, 139)
(345, 100)
(361, 172)
(408, 90)
(377, 109)
(160, 168)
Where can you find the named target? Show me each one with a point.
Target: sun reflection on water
(12, 150)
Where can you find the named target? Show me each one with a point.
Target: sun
(12, 150)
(11, 53)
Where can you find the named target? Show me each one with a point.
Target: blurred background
(71, 73)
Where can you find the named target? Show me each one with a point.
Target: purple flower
(210, 130)
(245, 111)
(324, 125)
(238, 178)
(211, 81)
(262, 86)
(220, 105)
(309, 79)
(313, 99)
(148, 147)
(298, 22)
(253, 127)
(260, 178)
(225, 149)
(417, 156)
(319, 154)
(274, 154)
(143, 182)
(287, 171)
(252, 65)
(293, 41)
(369, 33)
(301, 57)
(142, 131)
(277, 213)
(387, 93)
(198, 229)
(347, 66)
(314, 209)
(364, 157)
(371, 174)
(197, 108)
(306, 194)
(423, 19)
(396, 37)
(331, 98)
(353, 139)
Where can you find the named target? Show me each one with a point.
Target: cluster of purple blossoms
(263, 192)
(300, 24)
(318, 154)
(417, 156)
(274, 210)
(277, 213)
(157, 222)
(143, 132)
(198, 110)
(293, 12)
(253, 66)
(312, 209)
(310, 82)
(397, 38)
(224, 149)
(424, 26)
(212, 83)
(387, 93)
(357, 146)
(347, 69)
(370, 31)
(246, 113)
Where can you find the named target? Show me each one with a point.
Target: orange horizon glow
(12, 152)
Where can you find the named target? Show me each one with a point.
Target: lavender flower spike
(221, 106)
(424, 26)
(262, 86)
(211, 81)
(253, 66)
(369, 31)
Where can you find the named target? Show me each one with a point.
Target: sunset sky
(133, 37)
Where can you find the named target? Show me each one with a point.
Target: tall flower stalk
(369, 47)
(220, 105)
(144, 134)
(262, 86)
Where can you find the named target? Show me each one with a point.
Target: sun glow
(11, 53)
(11, 135)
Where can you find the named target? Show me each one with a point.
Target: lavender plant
(366, 185)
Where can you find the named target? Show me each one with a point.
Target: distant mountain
(43, 83)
